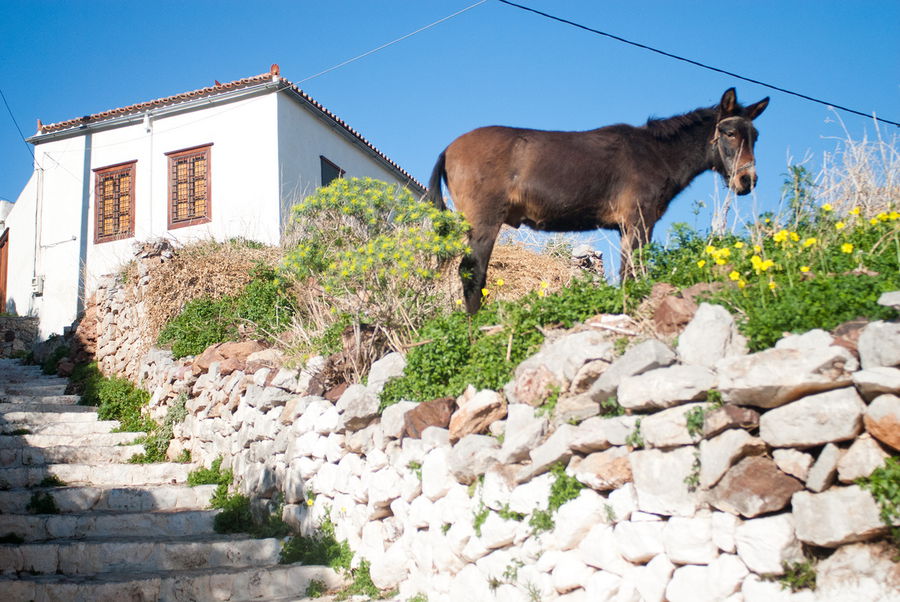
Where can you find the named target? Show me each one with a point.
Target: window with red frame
(114, 202)
(190, 201)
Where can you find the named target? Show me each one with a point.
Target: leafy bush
(820, 272)
(264, 305)
(52, 362)
(214, 475)
(119, 400)
(459, 350)
(369, 250)
(321, 549)
(42, 502)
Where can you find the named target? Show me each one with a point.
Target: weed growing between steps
(115, 398)
(52, 481)
(42, 502)
(157, 441)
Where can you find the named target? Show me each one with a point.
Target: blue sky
(493, 64)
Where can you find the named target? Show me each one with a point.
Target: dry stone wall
(17, 335)
(688, 496)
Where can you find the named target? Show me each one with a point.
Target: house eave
(156, 112)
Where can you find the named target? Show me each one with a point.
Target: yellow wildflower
(804, 268)
(309, 502)
(780, 236)
(485, 292)
(701, 263)
(772, 285)
(840, 226)
(709, 250)
(742, 283)
(873, 221)
(757, 249)
(827, 207)
(545, 284)
(459, 301)
(739, 245)
(854, 211)
(734, 275)
(794, 236)
(500, 282)
(810, 241)
(882, 217)
(846, 248)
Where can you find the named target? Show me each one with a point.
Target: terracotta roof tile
(219, 88)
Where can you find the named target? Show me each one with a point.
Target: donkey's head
(731, 145)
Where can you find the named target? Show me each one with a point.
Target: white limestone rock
(863, 457)
(837, 516)
(392, 424)
(710, 336)
(764, 544)
(718, 454)
(599, 433)
(557, 448)
(570, 573)
(877, 381)
(712, 583)
(689, 540)
(793, 462)
(522, 434)
(823, 471)
(575, 518)
(533, 495)
(668, 428)
(665, 387)
(724, 525)
(774, 377)
(436, 477)
(659, 480)
(648, 355)
(472, 456)
(389, 367)
(859, 572)
(815, 419)
(599, 549)
(638, 542)
(879, 345)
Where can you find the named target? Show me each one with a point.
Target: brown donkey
(618, 177)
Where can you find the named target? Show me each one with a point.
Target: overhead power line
(696, 63)
(16, 123)
(392, 42)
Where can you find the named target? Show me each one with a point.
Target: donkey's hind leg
(473, 267)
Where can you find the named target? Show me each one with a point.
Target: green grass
(42, 502)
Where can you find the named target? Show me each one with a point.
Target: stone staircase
(120, 531)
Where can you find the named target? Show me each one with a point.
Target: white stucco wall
(265, 156)
(302, 139)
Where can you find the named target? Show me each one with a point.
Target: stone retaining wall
(17, 335)
(688, 496)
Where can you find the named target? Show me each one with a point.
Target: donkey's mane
(672, 126)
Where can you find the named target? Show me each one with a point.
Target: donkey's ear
(728, 104)
(756, 109)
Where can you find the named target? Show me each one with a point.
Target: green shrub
(884, 485)
(119, 400)
(52, 362)
(367, 252)
(264, 304)
(214, 475)
(321, 549)
(458, 351)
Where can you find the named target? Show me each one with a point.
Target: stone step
(46, 413)
(118, 499)
(235, 585)
(68, 454)
(30, 399)
(37, 388)
(161, 473)
(132, 554)
(62, 428)
(99, 525)
(101, 439)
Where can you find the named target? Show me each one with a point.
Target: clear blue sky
(491, 65)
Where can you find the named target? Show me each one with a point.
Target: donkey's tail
(439, 173)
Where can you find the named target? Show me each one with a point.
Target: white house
(220, 162)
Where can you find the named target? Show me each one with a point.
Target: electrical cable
(13, 117)
(697, 63)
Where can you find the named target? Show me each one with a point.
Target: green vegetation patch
(264, 304)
